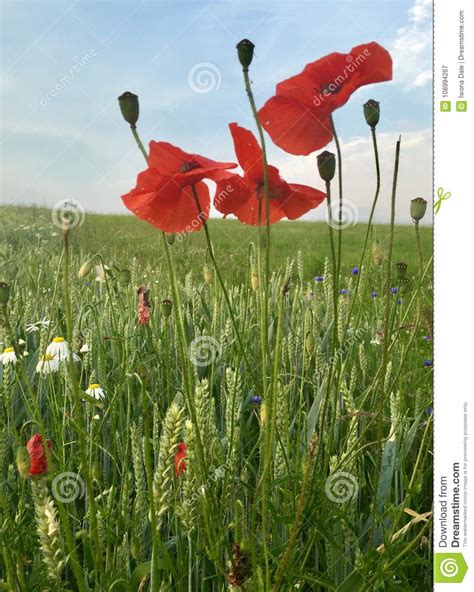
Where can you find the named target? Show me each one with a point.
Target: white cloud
(411, 50)
(359, 174)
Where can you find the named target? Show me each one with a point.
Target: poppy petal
(231, 193)
(293, 127)
(300, 200)
(247, 150)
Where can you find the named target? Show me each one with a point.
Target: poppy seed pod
(326, 165)
(166, 308)
(418, 208)
(245, 52)
(401, 269)
(129, 107)
(372, 112)
(4, 293)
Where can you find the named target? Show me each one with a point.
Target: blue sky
(75, 144)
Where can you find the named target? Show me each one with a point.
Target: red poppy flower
(179, 459)
(163, 195)
(244, 196)
(38, 460)
(297, 117)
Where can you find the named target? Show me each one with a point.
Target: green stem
(418, 244)
(386, 340)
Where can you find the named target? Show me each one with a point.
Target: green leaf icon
(449, 568)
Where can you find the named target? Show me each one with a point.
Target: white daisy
(96, 391)
(33, 327)
(85, 349)
(8, 356)
(101, 271)
(59, 349)
(47, 364)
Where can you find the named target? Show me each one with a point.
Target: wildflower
(245, 197)
(8, 356)
(33, 327)
(85, 348)
(101, 271)
(344, 291)
(318, 279)
(179, 459)
(394, 290)
(163, 195)
(96, 391)
(297, 118)
(399, 301)
(37, 453)
(427, 337)
(59, 349)
(144, 306)
(377, 340)
(355, 270)
(256, 400)
(429, 411)
(374, 294)
(427, 363)
(47, 364)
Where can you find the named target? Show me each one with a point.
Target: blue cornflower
(344, 291)
(319, 279)
(429, 410)
(399, 301)
(427, 337)
(394, 290)
(427, 363)
(374, 294)
(255, 399)
(355, 270)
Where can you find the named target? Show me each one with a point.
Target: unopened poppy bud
(23, 461)
(326, 165)
(206, 272)
(377, 254)
(245, 52)
(372, 112)
(129, 107)
(166, 308)
(254, 280)
(418, 208)
(401, 269)
(170, 237)
(4, 293)
(85, 269)
(125, 277)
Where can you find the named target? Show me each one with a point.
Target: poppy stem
(418, 244)
(339, 215)
(386, 343)
(219, 275)
(139, 142)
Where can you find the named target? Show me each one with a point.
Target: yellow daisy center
(58, 339)
(94, 386)
(47, 358)
(8, 350)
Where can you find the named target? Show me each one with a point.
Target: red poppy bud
(179, 459)
(37, 452)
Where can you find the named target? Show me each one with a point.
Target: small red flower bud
(37, 452)
(179, 459)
